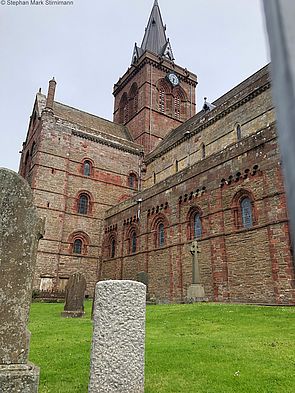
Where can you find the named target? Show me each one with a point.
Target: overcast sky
(88, 46)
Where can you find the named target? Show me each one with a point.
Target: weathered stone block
(117, 356)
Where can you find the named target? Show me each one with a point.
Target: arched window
(177, 106)
(246, 212)
(239, 132)
(161, 235)
(83, 204)
(162, 101)
(113, 248)
(132, 181)
(87, 168)
(33, 150)
(78, 243)
(133, 242)
(77, 246)
(123, 109)
(203, 151)
(243, 209)
(197, 226)
(133, 100)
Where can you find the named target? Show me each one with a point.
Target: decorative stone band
(117, 145)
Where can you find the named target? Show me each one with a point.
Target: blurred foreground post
(280, 15)
(117, 354)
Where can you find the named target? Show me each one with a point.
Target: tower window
(162, 100)
(246, 210)
(83, 204)
(87, 168)
(177, 105)
(132, 181)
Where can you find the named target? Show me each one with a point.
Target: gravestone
(117, 354)
(143, 277)
(75, 293)
(196, 290)
(20, 230)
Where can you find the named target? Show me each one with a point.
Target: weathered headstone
(143, 277)
(196, 290)
(75, 293)
(117, 354)
(20, 230)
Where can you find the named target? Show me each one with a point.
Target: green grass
(200, 348)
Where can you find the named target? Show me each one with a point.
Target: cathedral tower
(154, 95)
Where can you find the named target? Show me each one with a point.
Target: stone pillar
(195, 291)
(20, 230)
(75, 294)
(117, 355)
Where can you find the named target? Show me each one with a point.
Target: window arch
(161, 234)
(132, 181)
(123, 109)
(164, 96)
(112, 247)
(79, 242)
(179, 103)
(195, 224)
(33, 149)
(244, 211)
(159, 227)
(87, 168)
(133, 242)
(83, 206)
(239, 132)
(133, 100)
(77, 246)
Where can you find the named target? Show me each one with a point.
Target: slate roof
(154, 39)
(94, 124)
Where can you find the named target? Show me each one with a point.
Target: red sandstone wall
(237, 264)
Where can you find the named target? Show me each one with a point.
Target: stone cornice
(112, 143)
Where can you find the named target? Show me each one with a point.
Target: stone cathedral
(193, 204)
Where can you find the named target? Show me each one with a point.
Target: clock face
(173, 79)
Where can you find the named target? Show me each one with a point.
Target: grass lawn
(201, 348)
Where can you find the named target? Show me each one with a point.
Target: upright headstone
(75, 293)
(143, 277)
(20, 230)
(117, 354)
(196, 290)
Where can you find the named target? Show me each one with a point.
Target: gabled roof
(154, 39)
(94, 124)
